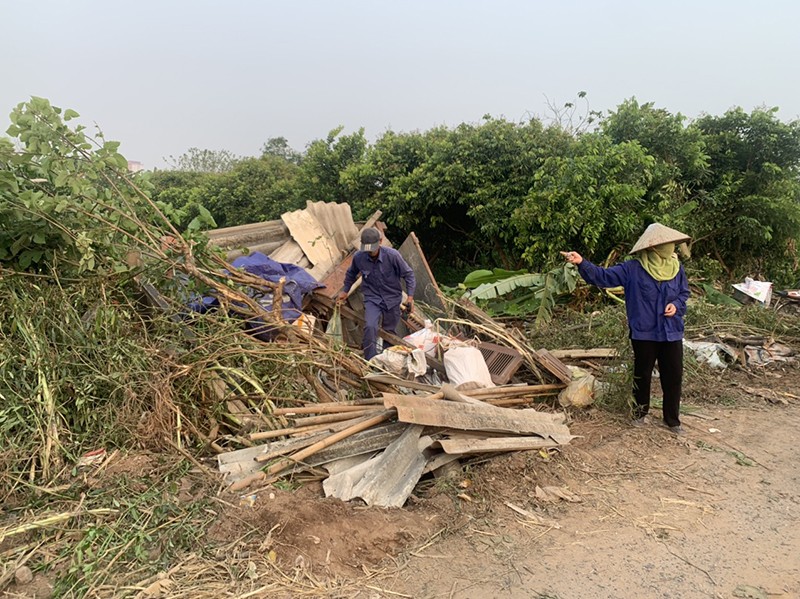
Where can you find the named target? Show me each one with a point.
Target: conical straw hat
(656, 234)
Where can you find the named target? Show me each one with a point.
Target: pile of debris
(372, 431)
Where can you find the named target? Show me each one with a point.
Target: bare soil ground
(713, 513)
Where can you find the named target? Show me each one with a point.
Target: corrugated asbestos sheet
(316, 238)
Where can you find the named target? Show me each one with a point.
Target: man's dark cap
(370, 239)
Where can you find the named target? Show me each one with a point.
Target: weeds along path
(705, 515)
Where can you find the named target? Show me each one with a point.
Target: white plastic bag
(465, 364)
(425, 339)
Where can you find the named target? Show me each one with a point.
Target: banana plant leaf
(481, 277)
(716, 297)
(505, 286)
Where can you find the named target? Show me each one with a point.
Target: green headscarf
(660, 261)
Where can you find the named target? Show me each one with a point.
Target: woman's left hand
(670, 310)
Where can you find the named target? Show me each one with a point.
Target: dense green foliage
(82, 361)
(499, 193)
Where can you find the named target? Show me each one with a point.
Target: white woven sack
(465, 364)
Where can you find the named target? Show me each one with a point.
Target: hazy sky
(164, 76)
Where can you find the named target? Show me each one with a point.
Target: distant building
(135, 166)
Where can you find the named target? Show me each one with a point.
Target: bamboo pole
(279, 432)
(512, 391)
(326, 418)
(516, 401)
(318, 409)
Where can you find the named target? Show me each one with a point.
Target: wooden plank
(580, 354)
(553, 365)
(390, 480)
(427, 289)
(334, 280)
(418, 410)
(306, 230)
(494, 444)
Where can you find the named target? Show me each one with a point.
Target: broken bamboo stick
(326, 418)
(328, 408)
(280, 432)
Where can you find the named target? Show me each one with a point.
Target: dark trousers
(373, 315)
(669, 355)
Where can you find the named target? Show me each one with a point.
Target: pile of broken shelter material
(377, 447)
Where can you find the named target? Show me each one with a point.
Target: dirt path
(711, 514)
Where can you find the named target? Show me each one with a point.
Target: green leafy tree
(279, 146)
(749, 217)
(256, 189)
(325, 160)
(458, 188)
(204, 161)
(591, 200)
(185, 191)
(681, 162)
(66, 198)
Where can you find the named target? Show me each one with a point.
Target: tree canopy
(511, 194)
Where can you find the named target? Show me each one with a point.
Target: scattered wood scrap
(379, 452)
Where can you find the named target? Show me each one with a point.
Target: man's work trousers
(374, 314)
(669, 355)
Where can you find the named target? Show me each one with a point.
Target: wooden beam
(580, 354)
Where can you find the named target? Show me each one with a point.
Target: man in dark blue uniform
(381, 269)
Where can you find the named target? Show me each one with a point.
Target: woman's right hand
(572, 257)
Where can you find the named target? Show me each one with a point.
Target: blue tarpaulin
(297, 284)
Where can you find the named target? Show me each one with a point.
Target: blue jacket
(380, 279)
(645, 298)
